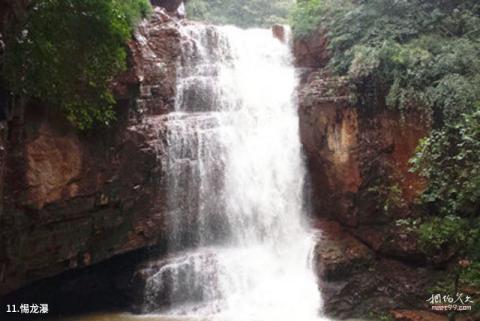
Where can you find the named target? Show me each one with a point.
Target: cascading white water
(240, 247)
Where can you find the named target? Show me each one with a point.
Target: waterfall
(239, 241)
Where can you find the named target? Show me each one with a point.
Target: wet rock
(75, 199)
(102, 287)
(358, 155)
(358, 158)
(393, 241)
(412, 315)
(169, 5)
(378, 288)
(338, 253)
(279, 32)
(355, 277)
(53, 163)
(356, 282)
(329, 134)
(154, 54)
(176, 280)
(400, 243)
(312, 51)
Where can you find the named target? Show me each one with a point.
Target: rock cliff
(354, 150)
(73, 199)
(358, 157)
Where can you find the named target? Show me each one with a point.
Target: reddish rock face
(329, 133)
(154, 53)
(312, 52)
(279, 32)
(352, 152)
(169, 5)
(74, 199)
(338, 253)
(53, 165)
(411, 315)
(402, 134)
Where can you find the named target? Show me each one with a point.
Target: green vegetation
(421, 55)
(242, 13)
(66, 53)
(388, 194)
(438, 232)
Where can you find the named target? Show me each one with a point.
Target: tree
(243, 13)
(66, 52)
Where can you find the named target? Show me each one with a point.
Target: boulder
(338, 253)
(356, 282)
(378, 288)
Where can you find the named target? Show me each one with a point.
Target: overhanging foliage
(66, 53)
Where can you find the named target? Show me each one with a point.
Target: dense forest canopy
(243, 13)
(421, 55)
